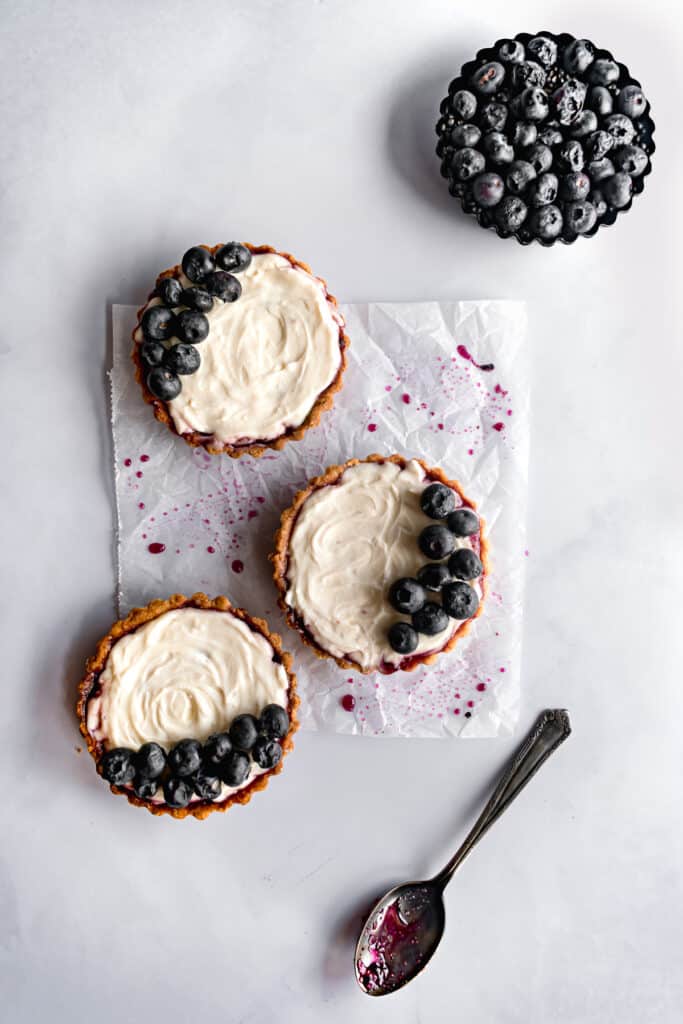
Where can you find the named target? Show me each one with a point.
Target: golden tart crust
(280, 560)
(138, 617)
(324, 401)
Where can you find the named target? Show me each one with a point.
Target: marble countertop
(132, 130)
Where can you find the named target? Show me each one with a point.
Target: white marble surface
(132, 129)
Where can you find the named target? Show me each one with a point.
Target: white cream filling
(267, 358)
(350, 542)
(186, 674)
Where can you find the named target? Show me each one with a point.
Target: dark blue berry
(216, 749)
(431, 619)
(621, 128)
(520, 174)
(235, 768)
(118, 766)
(145, 788)
(493, 117)
(528, 73)
(596, 199)
(631, 159)
(196, 298)
(266, 752)
(163, 384)
(497, 148)
(177, 791)
(433, 576)
(546, 222)
(544, 190)
(488, 189)
(274, 722)
(463, 104)
(540, 157)
(464, 522)
(533, 104)
(603, 72)
(157, 323)
(511, 213)
(152, 353)
(169, 291)
(580, 217)
(550, 136)
(543, 49)
(465, 565)
(197, 263)
(437, 500)
(206, 786)
(525, 133)
(511, 51)
(233, 256)
(243, 732)
(598, 170)
(407, 595)
(223, 285)
(575, 186)
(459, 600)
(192, 326)
(568, 100)
(150, 761)
(578, 56)
(403, 638)
(631, 101)
(618, 190)
(183, 358)
(600, 100)
(436, 542)
(466, 163)
(488, 78)
(570, 156)
(598, 145)
(185, 758)
(586, 122)
(464, 136)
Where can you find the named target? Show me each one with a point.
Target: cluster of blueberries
(544, 137)
(190, 768)
(172, 329)
(438, 542)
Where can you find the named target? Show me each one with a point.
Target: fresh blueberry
(266, 753)
(598, 170)
(403, 638)
(464, 104)
(580, 217)
(150, 761)
(550, 135)
(621, 128)
(525, 133)
(183, 358)
(118, 766)
(407, 595)
(497, 148)
(631, 101)
(533, 104)
(544, 190)
(540, 157)
(568, 100)
(578, 56)
(197, 263)
(206, 786)
(464, 136)
(598, 144)
(528, 73)
(464, 564)
(144, 788)
(543, 49)
(235, 768)
(185, 758)
(163, 384)
(631, 159)
(585, 123)
(618, 190)
(464, 522)
(603, 72)
(511, 213)
(274, 722)
(511, 51)
(493, 117)
(243, 732)
(192, 326)
(223, 285)
(177, 791)
(233, 257)
(437, 500)
(431, 619)
(600, 100)
(436, 542)
(520, 174)
(152, 353)
(575, 186)
(433, 576)
(488, 78)
(460, 601)
(196, 298)
(596, 199)
(169, 291)
(570, 156)
(157, 323)
(487, 189)
(216, 749)
(546, 222)
(466, 163)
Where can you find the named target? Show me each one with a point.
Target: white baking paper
(190, 521)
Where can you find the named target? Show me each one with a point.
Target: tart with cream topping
(381, 564)
(188, 706)
(239, 349)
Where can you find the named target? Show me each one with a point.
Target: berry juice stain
(499, 391)
(499, 427)
(486, 367)
(211, 550)
(348, 702)
(406, 399)
(372, 427)
(139, 474)
(481, 687)
(128, 462)
(399, 943)
(237, 566)
(156, 548)
(144, 458)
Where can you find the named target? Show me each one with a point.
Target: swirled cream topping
(350, 542)
(267, 358)
(186, 674)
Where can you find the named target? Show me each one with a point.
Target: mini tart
(361, 570)
(323, 400)
(89, 705)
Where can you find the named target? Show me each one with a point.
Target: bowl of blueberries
(545, 138)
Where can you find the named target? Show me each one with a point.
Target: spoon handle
(551, 729)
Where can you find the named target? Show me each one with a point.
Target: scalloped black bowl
(463, 190)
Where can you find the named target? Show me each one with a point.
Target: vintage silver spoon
(404, 928)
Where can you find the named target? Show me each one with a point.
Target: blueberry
(631, 159)
(192, 326)
(493, 117)
(274, 722)
(600, 100)
(598, 170)
(196, 298)
(466, 163)
(464, 136)
(543, 49)
(436, 542)
(550, 136)
(464, 564)
(144, 788)
(596, 199)
(497, 148)
(407, 595)
(464, 522)
(570, 156)
(177, 791)
(488, 78)
(197, 263)
(568, 100)
(487, 189)
(631, 101)
(183, 358)
(525, 133)
(578, 56)
(152, 353)
(433, 576)
(575, 186)
(464, 104)
(621, 128)
(528, 73)
(520, 174)
(431, 619)
(580, 217)
(511, 51)
(163, 384)
(598, 144)
(603, 72)
(618, 190)
(402, 638)
(266, 753)
(235, 768)
(150, 761)
(533, 104)
(206, 786)
(243, 732)
(544, 190)
(157, 323)
(118, 766)
(216, 749)
(546, 223)
(586, 122)
(185, 758)
(223, 285)
(511, 213)
(169, 291)
(234, 257)
(540, 157)
(460, 601)
(437, 500)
